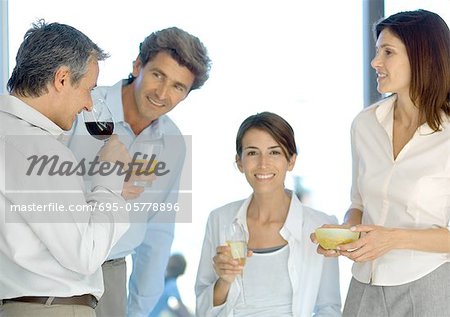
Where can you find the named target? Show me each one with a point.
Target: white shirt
(41, 253)
(314, 279)
(261, 273)
(412, 191)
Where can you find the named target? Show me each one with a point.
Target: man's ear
(62, 78)
(137, 65)
(239, 163)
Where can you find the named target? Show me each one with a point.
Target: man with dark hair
(53, 236)
(170, 64)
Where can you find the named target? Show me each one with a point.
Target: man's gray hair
(46, 48)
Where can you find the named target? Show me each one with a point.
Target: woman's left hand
(374, 242)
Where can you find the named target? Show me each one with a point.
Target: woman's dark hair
(273, 124)
(426, 37)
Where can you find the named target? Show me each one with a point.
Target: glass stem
(241, 281)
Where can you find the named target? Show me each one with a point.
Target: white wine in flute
(238, 251)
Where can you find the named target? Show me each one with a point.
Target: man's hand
(114, 151)
(129, 191)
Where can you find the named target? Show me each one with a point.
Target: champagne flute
(237, 241)
(99, 121)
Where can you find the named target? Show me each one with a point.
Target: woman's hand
(225, 266)
(227, 269)
(374, 242)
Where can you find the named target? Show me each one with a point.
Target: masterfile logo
(140, 164)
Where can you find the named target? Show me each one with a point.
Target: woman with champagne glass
(283, 275)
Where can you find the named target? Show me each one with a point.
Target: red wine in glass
(101, 130)
(98, 121)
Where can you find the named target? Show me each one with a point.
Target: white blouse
(314, 279)
(412, 191)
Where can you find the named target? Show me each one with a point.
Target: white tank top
(267, 287)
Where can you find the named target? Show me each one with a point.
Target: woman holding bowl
(401, 175)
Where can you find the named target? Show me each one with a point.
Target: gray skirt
(429, 296)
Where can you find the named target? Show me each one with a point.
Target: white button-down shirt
(412, 191)
(50, 253)
(314, 278)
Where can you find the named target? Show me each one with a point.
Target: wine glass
(236, 239)
(146, 156)
(99, 121)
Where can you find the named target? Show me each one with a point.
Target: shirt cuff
(112, 182)
(356, 206)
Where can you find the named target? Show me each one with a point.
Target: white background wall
(300, 59)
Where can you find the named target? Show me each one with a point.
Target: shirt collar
(113, 98)
(385, 115)
(23, 111)
(241, 215)
(291, 225)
